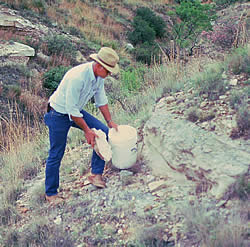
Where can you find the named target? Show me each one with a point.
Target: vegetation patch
(53, 77)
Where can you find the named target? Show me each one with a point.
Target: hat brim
(113, 70)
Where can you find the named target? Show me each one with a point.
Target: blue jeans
(59, 125)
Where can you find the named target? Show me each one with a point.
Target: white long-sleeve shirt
(77, 87)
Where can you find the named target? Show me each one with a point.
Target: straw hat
(108, 58)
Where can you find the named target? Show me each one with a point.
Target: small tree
(142, 32)
(190, 18)
(146, 28)
(154, 21)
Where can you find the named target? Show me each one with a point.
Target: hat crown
(108, 56)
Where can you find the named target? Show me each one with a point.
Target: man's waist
(49, 108)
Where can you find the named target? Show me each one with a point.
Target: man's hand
(112, 124)
(107, 116)
(90, 136)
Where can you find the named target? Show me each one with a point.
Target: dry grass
(18, 129)
(95, 23)
(209, 228)
(101, 22)
(22, 152)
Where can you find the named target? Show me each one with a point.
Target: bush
(223, 35)
(132, 79)
(147, 27)
(151, 236)
(242, 188)
(53, 77)
(239, 61)
(155, 22)
(210, 82)
(243, 119)
(147, 53)
(142, 32)
(193, 114)
(59, 44)
(238, 98)
(206, 227)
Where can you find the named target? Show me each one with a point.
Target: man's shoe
(55, 199)
(97, 180)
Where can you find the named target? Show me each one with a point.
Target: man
(65, 110)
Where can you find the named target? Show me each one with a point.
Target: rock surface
(191, 158)
(15, 53)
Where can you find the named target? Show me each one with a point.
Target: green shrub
(242, 188)
(132, 79)
(210, 82)
(243, 119)
(239, 61)
(155, 22)
(193, 114)
(238, 98)
(151, 236)
(53, 77)
(59, 44)
(131, 102)
(147, 53)
(206, 227)
(142, 32)
(146, 27)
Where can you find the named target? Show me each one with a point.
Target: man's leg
(58, 129)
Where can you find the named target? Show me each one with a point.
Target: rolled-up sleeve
(72, 98)
(100, 96)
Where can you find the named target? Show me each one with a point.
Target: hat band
(112, 66)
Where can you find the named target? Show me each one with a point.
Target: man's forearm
(105, 112)
(81, 123)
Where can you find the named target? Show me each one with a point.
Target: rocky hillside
(190, 184)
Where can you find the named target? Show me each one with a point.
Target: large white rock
(15, 49)
(102, 147)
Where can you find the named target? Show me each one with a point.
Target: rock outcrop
(192, 159)
(9, 19)
(15, 53)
